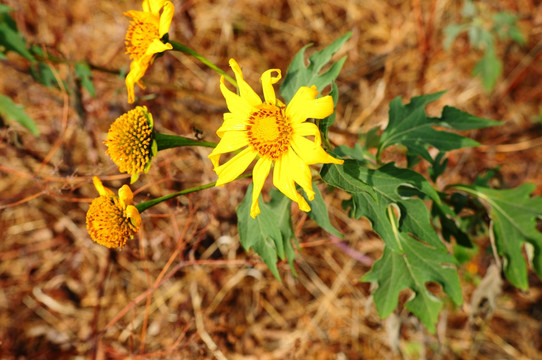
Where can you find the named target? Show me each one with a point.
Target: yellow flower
(111, 219)
(273, 132)
(130, 142)
(144, 39)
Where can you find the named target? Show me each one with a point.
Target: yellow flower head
(273, 132)
(111, 219)
(144, 39)
(130, 142)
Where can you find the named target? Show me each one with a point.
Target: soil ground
(184, 288)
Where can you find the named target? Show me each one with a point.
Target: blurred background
(184, 288)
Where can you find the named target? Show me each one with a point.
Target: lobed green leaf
(409, 126)
(299, 74)
(270, 234)
(513, 214)
(414, 254)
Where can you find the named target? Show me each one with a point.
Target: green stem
(150, 203)
(171, 141)
(180, 47)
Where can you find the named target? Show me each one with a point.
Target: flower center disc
(129, 141)
(269, 132)
(108, 224)
(139, 37)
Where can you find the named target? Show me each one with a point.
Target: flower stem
(170, 141)
(180, 47)
(150, 203)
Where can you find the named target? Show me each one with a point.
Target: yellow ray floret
(111, 219)
(144, 39)
(273, 133)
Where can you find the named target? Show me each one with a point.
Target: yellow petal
(134, 216)
(302, 174)
(152, 6)
(236, 104)
(232, 122)
(311, 153)
(298, 171)
(142, 16)
(283, 180)
(304, 105)
(232, 140)
(102, 190)
(267, 85)
(260, 172)
(126, 197)
(156, 47)
(308, 129)
(166, 18)
(245, 91)
(136, 73)
(230, 170)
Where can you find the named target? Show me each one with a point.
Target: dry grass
(184, 288)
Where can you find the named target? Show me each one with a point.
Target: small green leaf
(14, 112)
(489, 68)
(270, 233)
(320, 214)
(10, 37)
(515, 34)
(83, 73)
(513, 214)
(300, 75)
(5, 9)
(43, 74)
(451, 32)
(469, 9)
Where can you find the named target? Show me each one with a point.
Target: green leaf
(456, 119)
(506, 27)
(270, 234)
(325, 123)
(513, 214)
(469, 9)
(357, 153)
(336, 175)
(14, 112)
(438, 166)
(319, 212)
(489, 68)
(281, 206)
(451, 32)
(414, 254)
(44, 74)
(10, 37)
(300, 75)
(83, 73)
(449, 224)
(412, 268)
(409, 126)
(515, 34)
(5, 9)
